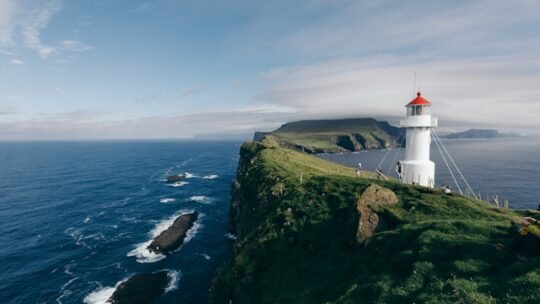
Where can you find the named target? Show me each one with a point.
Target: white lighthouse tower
(416, 168)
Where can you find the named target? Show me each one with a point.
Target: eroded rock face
(373, 197)
(174, 236)
(140, 288)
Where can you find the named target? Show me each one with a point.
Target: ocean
(75, 217)
(505, 167)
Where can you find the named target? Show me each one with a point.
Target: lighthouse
(417, 168)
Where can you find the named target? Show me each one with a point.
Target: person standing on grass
(398, 170)
(359, 169)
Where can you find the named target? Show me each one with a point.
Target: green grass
(295, 217)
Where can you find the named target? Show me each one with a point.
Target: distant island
(331, 136)
(480, 133)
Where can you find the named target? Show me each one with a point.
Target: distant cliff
(310, 231)
(322, 136)
(480, 133)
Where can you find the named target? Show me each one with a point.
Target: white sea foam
(101, 294)
(141, 252)
(86, 220)
(178, 184)
(174, 278)
(167, 200)
(205, 256)
(230, 236)
(143, 255)
(201, 199)
(67, 268)
(77, 236)
(210, 176)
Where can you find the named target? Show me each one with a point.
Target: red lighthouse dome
(419, 101)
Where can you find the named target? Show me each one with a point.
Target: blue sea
(505, 167)
(75, 217)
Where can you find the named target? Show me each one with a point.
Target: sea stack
(140, 288)
(417, 168)
(174, 236)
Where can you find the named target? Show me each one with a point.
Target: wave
(230, 236)
(174, 278)
(65, 292)
(201, 199)
(87, 219)
(205, 256)
(189, 175)
(167, 200)
(141, 252)
(102, 294)
(178, 184)
(210, 176)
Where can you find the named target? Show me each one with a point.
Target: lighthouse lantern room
(417, 168)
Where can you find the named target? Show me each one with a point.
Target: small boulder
(371, 199)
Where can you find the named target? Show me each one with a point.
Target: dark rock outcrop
(371, 199)
(174, 236)
(175, 178)
(140, 288)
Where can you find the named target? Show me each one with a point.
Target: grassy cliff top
(296, 220)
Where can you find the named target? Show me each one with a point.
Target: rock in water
(140, 288)
(174, 236)
(373, 197)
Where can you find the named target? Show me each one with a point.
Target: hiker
(526, 242)
(358, 169)
(398, 170)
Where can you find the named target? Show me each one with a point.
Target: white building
(417, 168)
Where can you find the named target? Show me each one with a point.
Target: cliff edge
(310, 231)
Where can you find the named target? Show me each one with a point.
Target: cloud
(433, 29)
(24, 22)
(97, 124)
(16, 61)
(8, 111)
(35, 22)
(6, 53)
(7, 22)
(497, 91)
(73, 46)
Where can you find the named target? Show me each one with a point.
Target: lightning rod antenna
(414, 85)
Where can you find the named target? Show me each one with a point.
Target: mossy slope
(296, 221)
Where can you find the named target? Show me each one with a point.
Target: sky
(111, 69)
